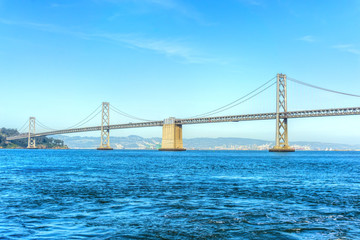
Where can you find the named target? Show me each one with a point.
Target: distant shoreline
(212, 150)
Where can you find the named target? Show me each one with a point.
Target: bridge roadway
(234, 118)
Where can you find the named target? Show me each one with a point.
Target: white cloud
(163, 3)
(307, 38)
(342, 46)
(168, 47)
(60, 5)
(39, 26)
(252, 2)
(347, 48)
(171, 5)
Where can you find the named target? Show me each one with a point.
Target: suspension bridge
(172, 127)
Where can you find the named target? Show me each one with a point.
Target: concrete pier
(104, 148)
(171, 136)
(282, 149)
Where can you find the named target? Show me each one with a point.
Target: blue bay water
(75, 194)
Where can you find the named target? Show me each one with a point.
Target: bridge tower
(31, 138)
(105, 127)
(171, 136)
(282, 142)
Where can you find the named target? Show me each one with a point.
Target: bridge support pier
(171, 136)
(282, 142)
(31, 138)
(105, 127)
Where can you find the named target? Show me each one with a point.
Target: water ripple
(191, 195)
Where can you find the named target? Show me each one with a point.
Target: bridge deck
(234, 118)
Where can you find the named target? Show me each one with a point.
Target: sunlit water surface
(67, 194)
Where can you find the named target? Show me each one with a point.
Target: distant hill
(130, 142)
(137, 142)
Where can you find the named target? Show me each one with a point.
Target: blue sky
(159, 58)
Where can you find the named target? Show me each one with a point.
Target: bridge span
(221, 119)
(172, 127)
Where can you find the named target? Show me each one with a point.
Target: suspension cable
(23, 127)
(118, 111)
(90, 119)
(82, 122)
(245, 100)
(44, 126)
(228, 106)
(23, 130)
(321, 88)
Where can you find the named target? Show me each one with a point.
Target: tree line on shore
(41, 142)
